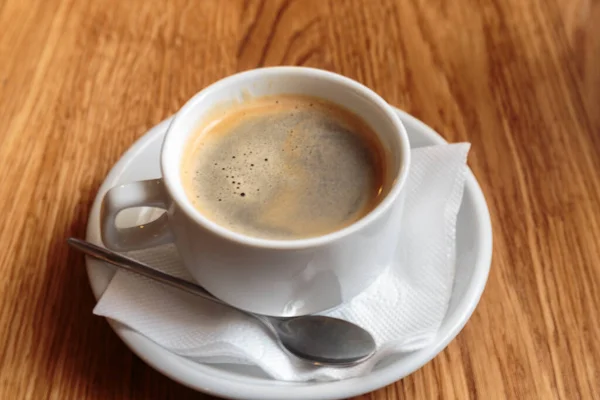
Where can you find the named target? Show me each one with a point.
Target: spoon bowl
(302, 336)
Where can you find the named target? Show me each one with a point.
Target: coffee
(284, 167)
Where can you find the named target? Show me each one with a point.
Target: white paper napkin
(403, 309)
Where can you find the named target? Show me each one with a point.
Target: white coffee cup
(273, 277)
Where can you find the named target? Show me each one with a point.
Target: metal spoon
(317, 339)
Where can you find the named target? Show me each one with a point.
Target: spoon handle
(137, 267)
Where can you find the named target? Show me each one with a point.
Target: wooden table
(520, 80)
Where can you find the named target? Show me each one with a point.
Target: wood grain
(80, 81)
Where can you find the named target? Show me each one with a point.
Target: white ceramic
(273, 277)
(473, 250)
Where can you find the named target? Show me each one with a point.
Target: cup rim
(195, 215)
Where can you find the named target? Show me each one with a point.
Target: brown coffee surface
(284, 167)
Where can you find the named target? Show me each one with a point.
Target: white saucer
(474, 253)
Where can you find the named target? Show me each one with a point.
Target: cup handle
(150, 193)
